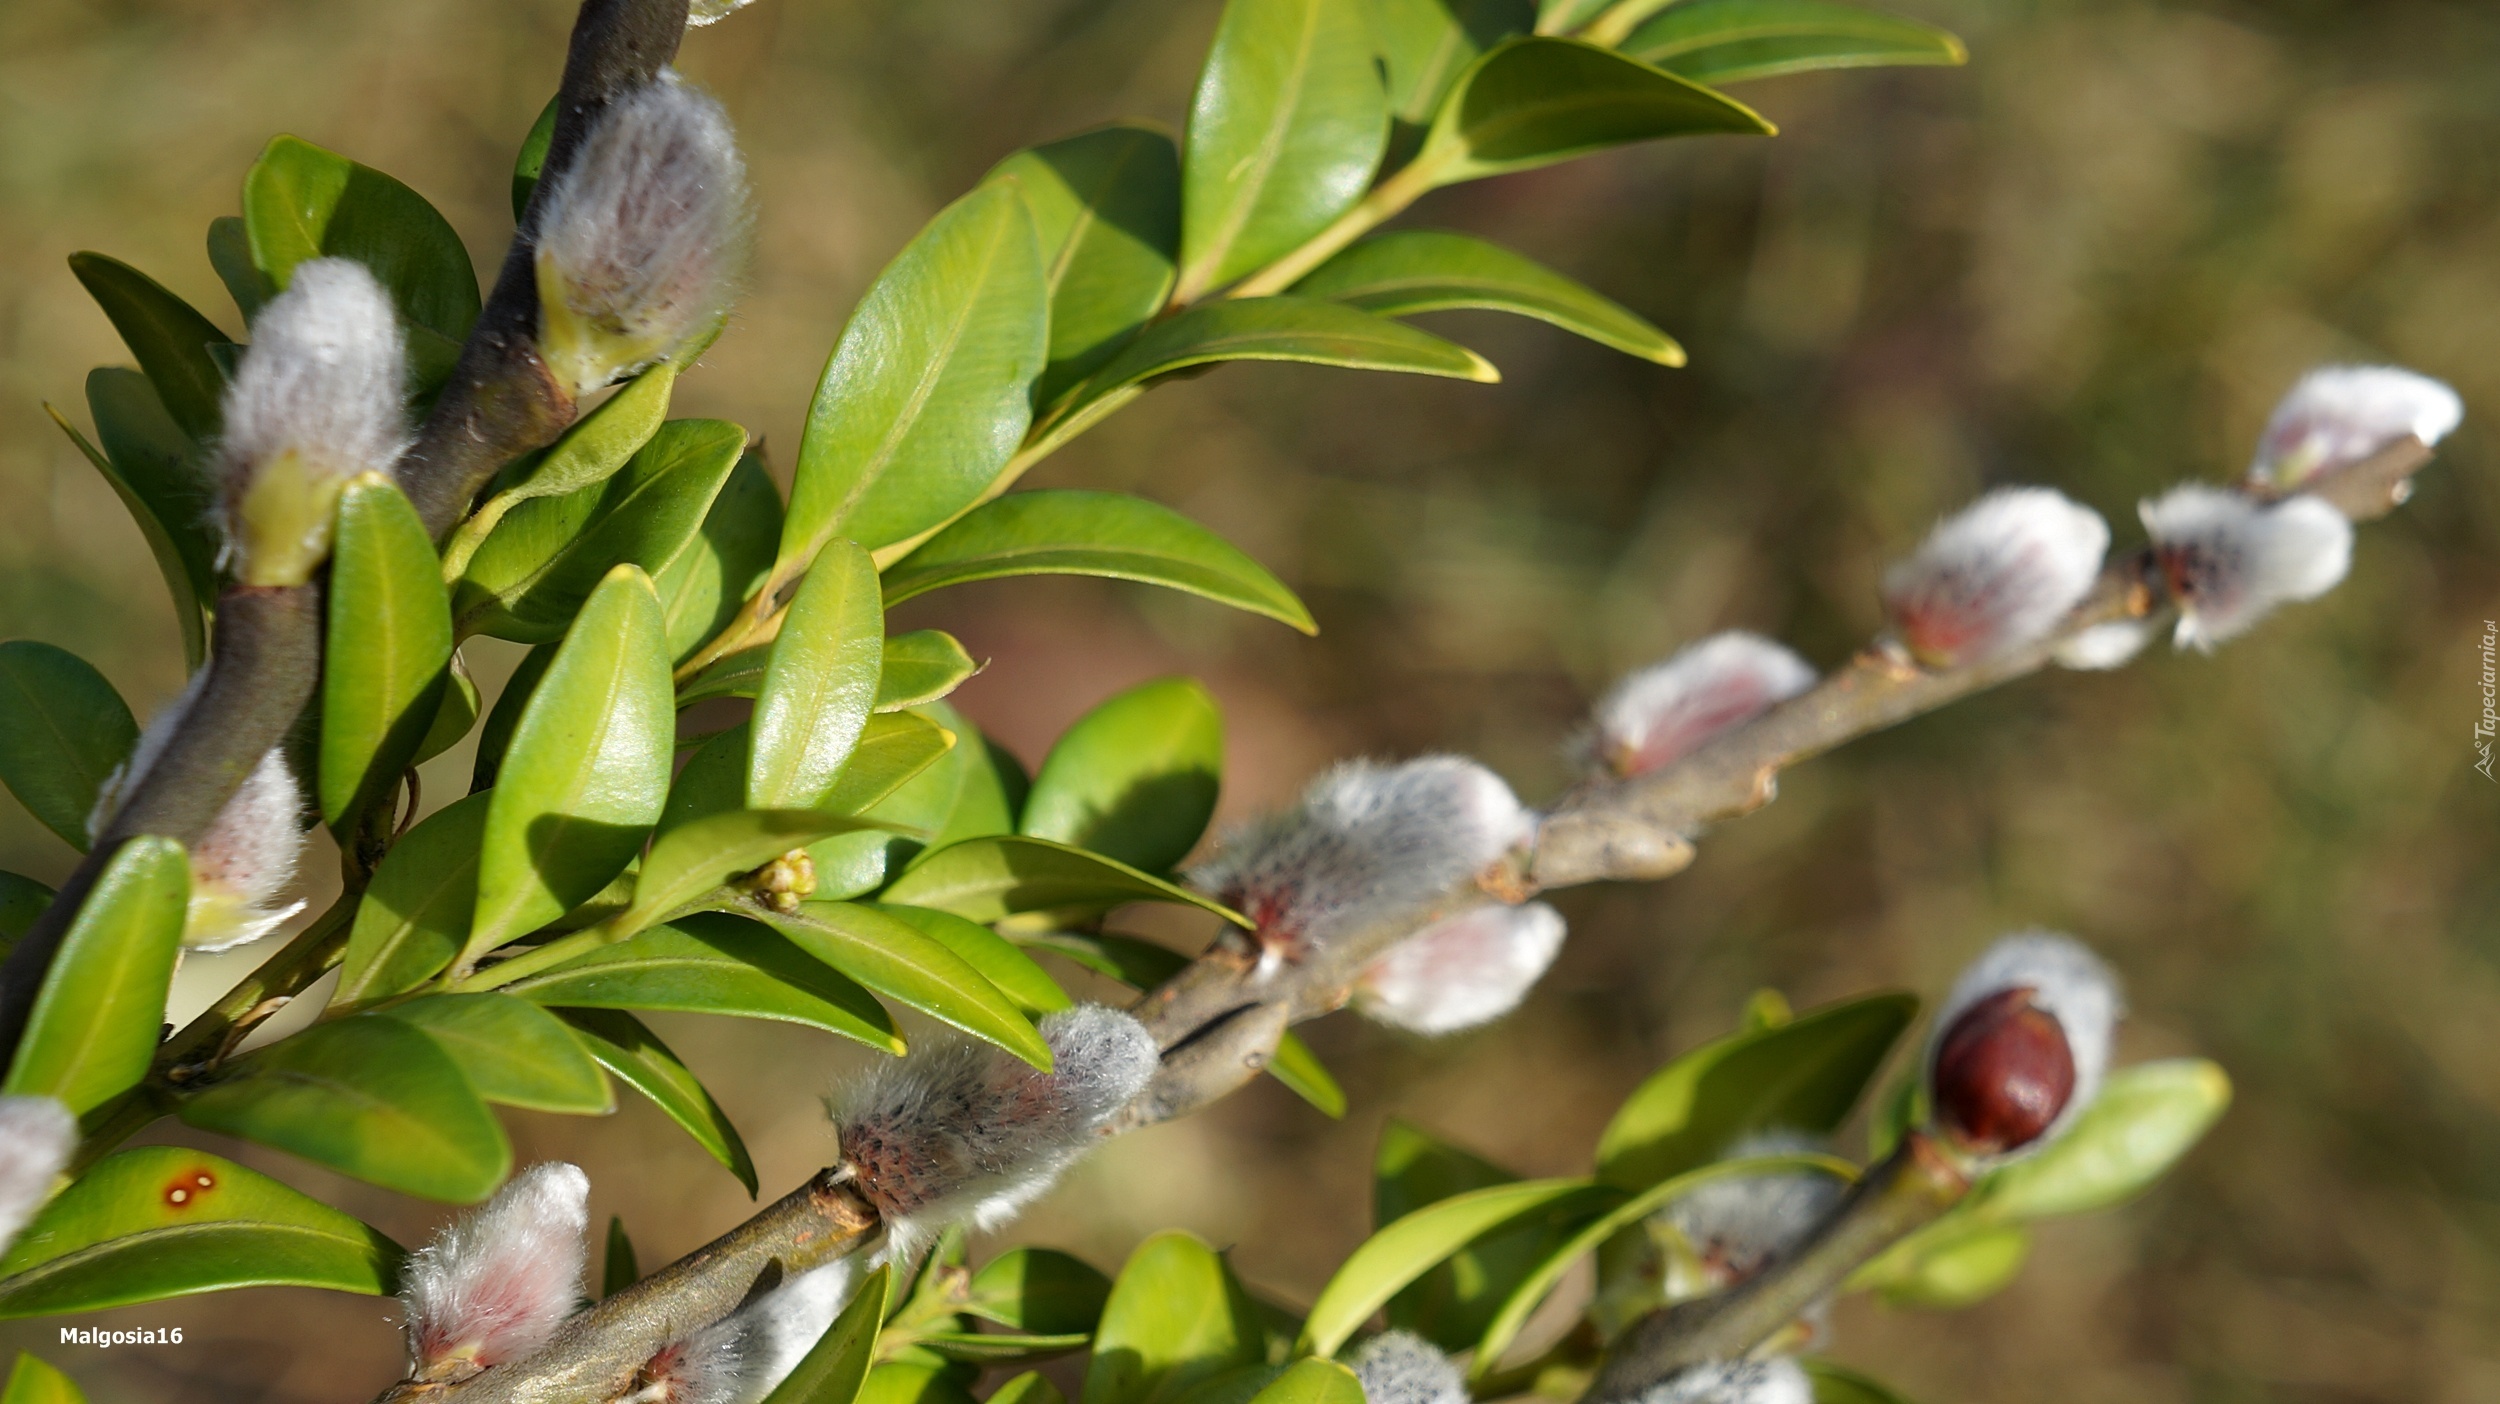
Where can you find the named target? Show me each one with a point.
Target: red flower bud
(2003, 1073)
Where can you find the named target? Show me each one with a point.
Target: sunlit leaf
(2145, 1118)
(715, 965)
(1176, 1316)
(1426, 44)
(512, 1051)
(896, 959)
(621, 1044)
(1107, 207)
(415, 915)
(31, 1381)
(712, 575)
(834, 1369)
(987, 879)
(1040, 1290)
(997, 958)
(1735, 41)
(389, 648)
(94, 1025)
(1407, 1248)
(1531, 102)
(1296, 1066)
(820, 682)
(1426, 270)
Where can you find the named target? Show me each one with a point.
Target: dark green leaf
(988, 879)
(531, 161)
(301, 202)
(96, 1016)
(453, 715)
(632, 1052)
(715, 965)
(1135, 778)
(167, 1221)
(1532, 102)
(161, 465)
(820, 682)
(617, 1268)
(701, 590)
(167, 335)
(1296, 1066)
(1176, 1316)
(512, 1051)
(835, 1368)
(1424, 270)
(230, 253)
(1039, 1290)
(1734, 41)
(496, 737)
(921, 666)
(893, 957)
(413, 919)
(1138, 964)
(22, 899)
(997, 958)
(63, 730)
(389, 648)
(1426, 44)
(1107, 206)
(1407, 1248)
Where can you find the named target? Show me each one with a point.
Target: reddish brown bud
(2003, 1072)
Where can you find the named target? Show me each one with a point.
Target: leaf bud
(318, 400)
(1669, 710)
(2229, 559)
(641, 241)
(2337, 416)
(1776, 1380)
(2021, 1045)
(495, 1284)
(1995, 576)
(1468, 970)
(37, 1135)
(1400, 1367)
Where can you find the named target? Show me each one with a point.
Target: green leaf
(1801, 1076)
(587, 771)
(1175, 1317)
(1139, 964)
(230, 253)
(1039, 1290)
(701, 590)
(413, 918)
(1425, 270)
(1135, 778)
(512, 1051)
(2145, 1118)
(1031, 1387)
(532, 573)
(996, 1347)
(453, 715)
(898, 1382)
(1836, 1384)
(693, 860)
(1962, 1261)
(1107, 207)
(715, 965)
(928, 392)
(1313, 1382)
(820, 683)
(996, 957)
(495, 737)
(1426, 44)
(621, 1044)
(166, 1221)
(597, 446)
(1068, 531)
(1296, 1066)
(531, 161)
(1734, 41)
(1563, 16)
(1531, 102)
(988, 879)
(149, 463)
(617, 1268)
(921, 666)
(924, 809)
(896, 959)
(835, 1368)
(95, 1020)
(22, 899)
(63, 730)
(1407, 1248)
(170, 565)
(1285, 130)
(1453, 1303)
(389, 648)
(167, 335)
(367, 1096)
(33, 1382)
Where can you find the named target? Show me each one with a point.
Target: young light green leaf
(22, 899)
(587, 771)
(96, 1017)
(1801, 1076)
(1837, 1384)
(928, 392)
(412, 920)
(712, 575)
(1176, 1316)
(389, 649)
(367, 1096)
(834, 1369)
(715, 965)
(1426, 44)
(31, 1381)
(1406, 1249)
(693, 860)
(1735, 41)
(1107, 207)
(621, 1044)
(167, 335)
(160, 1222)
(914, 1382)
(1313, 1382)
(1955, 1262)
(989, 879)
(592, 451)
(1426, 270)
(1285, 130)
(1068, 531)
(2145, 1118)
(1039, 1290)
(63, 729)
(996, 957)
(820, 682)
(1135, 778)
(921, 667)
(896, 959)
(513, 1052)
(1534, 101)
(1302, 1073)
(1564, 16)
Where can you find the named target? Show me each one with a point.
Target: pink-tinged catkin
(1369, 844)
(37, 1135)
(1738, 1226)
(2021, 1046)
(2337, 416)
(959, 1132)
(1468, 970)
(702, 1368)
(2229, 560)
(1400, 1367)
(1666, 712)
(1778, 1380)
(495, 1284)
(1994, 577)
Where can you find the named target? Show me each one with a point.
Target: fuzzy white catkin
(1400, 1367)
(1368, 843)
(1997, 575)
(2337, 416)
(772, 1334)
(323, 378)
(2230, 559)
(1468, 970)
(1779, 1380)
(2104, 646)
(703, 1368)
(495, 1284)
(1665, 712)
(1738, 1226)
(2068, 982)
(642, 239)
(37, 1135)
(960, 1133)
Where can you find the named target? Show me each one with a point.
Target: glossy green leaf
(694, 860)
(621, 1044)
(921, 666)
(998, 1347)
(1039, 1290)
(1285, 130)
(1426, 44)
(712, 575)
(367, 1096)
(495, 738)
(167, 335)
(414, 917)
(166, 1221)
(996, 957)
(1735, 41)
(1425, 270)
(924, 808)
(912, 1382)
(1176, 1316)
(835, 1368)
(598, 445)
(1139, 964)
(95, 1020)
(454, 714)
(1802, 1076)
(1296, 1066)
(532, 573)
(1068, 531)
(2145, 1118)
(617, 1268)
(1836, 1384)
(1966, 1260)
(1531, 102)
(820, 682)
(1313, 1382)
(63, 730)
(928, 392)
(1451, 1304)
(1135, 778)
(715, 965)
(587, 771)
(1406, 1249)
(31, 1381)
(389, 650)
(988, 879)
(531, 161)
(22, 899)
(230, 253)
(1107, 207)
(512, 1051)
(896, 959)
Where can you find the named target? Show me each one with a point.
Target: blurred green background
(2091, 259)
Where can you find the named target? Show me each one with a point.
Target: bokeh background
(2091, 259)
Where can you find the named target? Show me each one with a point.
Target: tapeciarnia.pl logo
(2488, 724)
